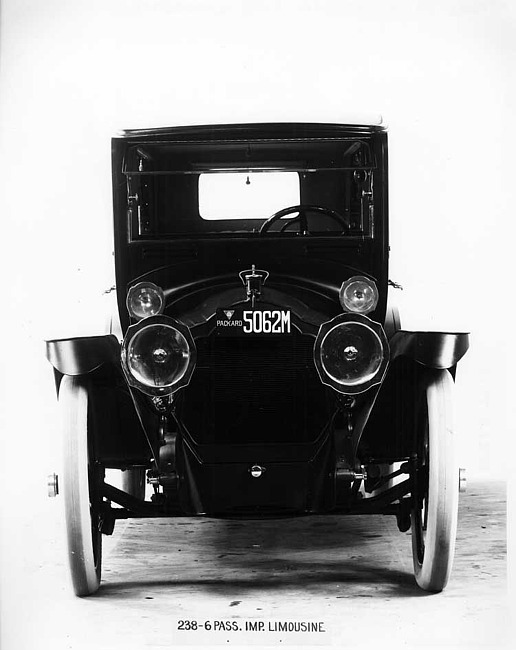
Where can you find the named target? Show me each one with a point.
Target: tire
(133, 482)
(81, 483)
(436, 492)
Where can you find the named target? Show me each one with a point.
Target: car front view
(261, 371)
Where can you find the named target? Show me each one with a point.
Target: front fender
(440, 350)
(82, 355)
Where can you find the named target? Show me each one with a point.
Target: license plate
(253, 322)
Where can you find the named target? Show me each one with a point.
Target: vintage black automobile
(261, 371)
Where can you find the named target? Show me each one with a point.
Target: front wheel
(436, 486)
(82, 481)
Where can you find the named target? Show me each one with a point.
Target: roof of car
(258, 131)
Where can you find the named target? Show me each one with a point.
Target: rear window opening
(246, 195)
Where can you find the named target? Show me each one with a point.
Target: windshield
(233, 187)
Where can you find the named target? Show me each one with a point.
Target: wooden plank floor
(351, 576)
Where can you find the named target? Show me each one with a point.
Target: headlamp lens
(359, 295)
(158, 356)
(145, 299)
(351, 353)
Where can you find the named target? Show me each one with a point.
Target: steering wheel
(303, 222)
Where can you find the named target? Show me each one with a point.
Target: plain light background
(73, 73)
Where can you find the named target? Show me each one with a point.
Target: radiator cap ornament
(253, 279)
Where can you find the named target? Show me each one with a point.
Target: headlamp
(145, 299)
(351, 353)
(358, 295)
(158, 355)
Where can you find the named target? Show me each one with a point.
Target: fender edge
(82, 355)
(439, 350)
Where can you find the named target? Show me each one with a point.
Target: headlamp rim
(329, 375)
(167, 321)
(327, 379)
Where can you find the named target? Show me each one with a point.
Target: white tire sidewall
(73, 399)
(443, 487)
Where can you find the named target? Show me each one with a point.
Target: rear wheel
(436, 487)
(82, 481)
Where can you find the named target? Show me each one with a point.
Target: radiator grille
(255, 390)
